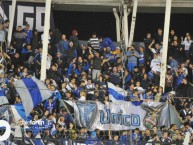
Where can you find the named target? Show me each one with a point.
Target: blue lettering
(126, 121)
(135, 120)
(115, 118)
(102, 117)
(118, 118)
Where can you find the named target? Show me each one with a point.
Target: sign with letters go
(33, 13)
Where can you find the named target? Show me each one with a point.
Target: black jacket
(185, 90)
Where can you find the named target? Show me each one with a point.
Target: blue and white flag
(3, 98)
(19, 112)
(116, 93)
(32, 92)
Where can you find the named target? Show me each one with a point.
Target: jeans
(150, 75)
(131, 65)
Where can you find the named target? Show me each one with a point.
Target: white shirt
(187, 44)
(155, 62)
(156, 68)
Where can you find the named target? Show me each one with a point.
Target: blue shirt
(29, 35)
(124, 139)
(180, 77)
(49, 106)
(136, 137)
(63, 47)
(107, 42)
(92, 141)
(141, 58)
(146, 96)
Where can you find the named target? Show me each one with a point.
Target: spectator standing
(56, 36)
(159, 37)
(171, 37)
(94, 42)
(106, 43)
(35, 41)
(132, 56)
(142, 57)
(187, 43)
(148, 40)
(37, 62)
(28, 34)
(74, 39)
(18, 39)
(96, 65)
(157, 49)
(63, 46)
(71, 53)
(177, 51)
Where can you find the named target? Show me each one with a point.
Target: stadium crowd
(79, 72)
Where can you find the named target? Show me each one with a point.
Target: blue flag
(116, 93)
(32, 92)
(19, 112)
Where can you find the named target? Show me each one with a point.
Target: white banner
(123, 115)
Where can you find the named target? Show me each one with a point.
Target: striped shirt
(94, 43)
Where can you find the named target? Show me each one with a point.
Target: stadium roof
(149, 6)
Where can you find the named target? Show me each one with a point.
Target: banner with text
(32, 13)
(124, 115)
